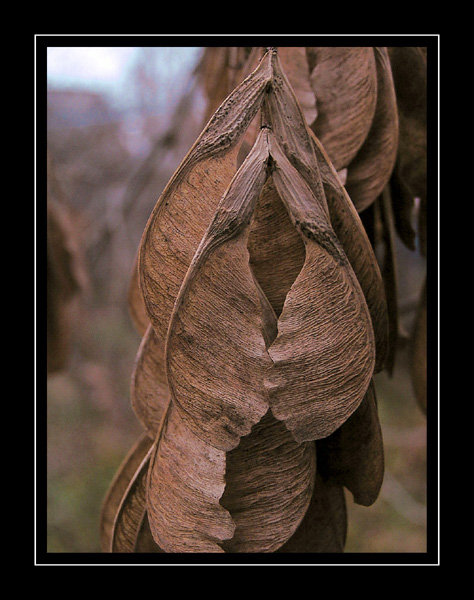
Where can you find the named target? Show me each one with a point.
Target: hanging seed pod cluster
(263, 313)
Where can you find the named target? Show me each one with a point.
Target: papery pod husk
(213, 72)
(145, 543)
(269, 486)
(149, 387)
(268, 481)
(136, 304)
(344, 218)
(123, 520)
(353, 455)
(195, 522)
(344, 81)
(237, 63)
(183, 523)
(182, 457)
(215, 331)
(335, 87)
(269, 478)
(351, 232)
(171, 238)
(304, 313)
(312, 162)
(294, 62)
(117, 487)
(370, 170)
(321, 371)
(277, 252)
(336, 65)
(222, 69)
(186, 482)
(309, 213)
(324, 527)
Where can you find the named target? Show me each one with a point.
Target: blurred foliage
(90, 423)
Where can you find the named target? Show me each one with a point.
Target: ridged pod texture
(263, 317)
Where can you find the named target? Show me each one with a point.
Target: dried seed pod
(291, 132)
(149, 388)
(321, 371)
(250, 355)
(353, 238)
(124, 525)
(215, 331)
(186, 482)
(309, 157)
(171, 237)
(369, 172)
(269, 480)
(295, 65)
(324, 354)
(136, 305)
(269, 485)
(324, 527)
(118, 487)
(344, 81)
(353, 455)
(276, 249)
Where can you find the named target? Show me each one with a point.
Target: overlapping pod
(344, 81)
(124, 522)
(238, 375)
(369, 172)
(189, 201)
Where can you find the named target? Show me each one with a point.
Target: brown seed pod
(369, 172)
(262, 312)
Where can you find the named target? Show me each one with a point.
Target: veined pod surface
(215, 335)
(266, 325)
(324, 354)
(171, 236)
(370, 170)
(268, 479)
(344, 81)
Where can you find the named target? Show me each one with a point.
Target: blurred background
(120, 120)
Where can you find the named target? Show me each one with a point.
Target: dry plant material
(358, 248)
(263, 312)
(187, 480)
(270, 483)
(149, 386)
(215, 332)
(296, 68)
(344, 81)
(324, 527)
(353, 455)
(172, 234)
(124, 522)
(324, 353)
(371, 169)
(136, 305)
